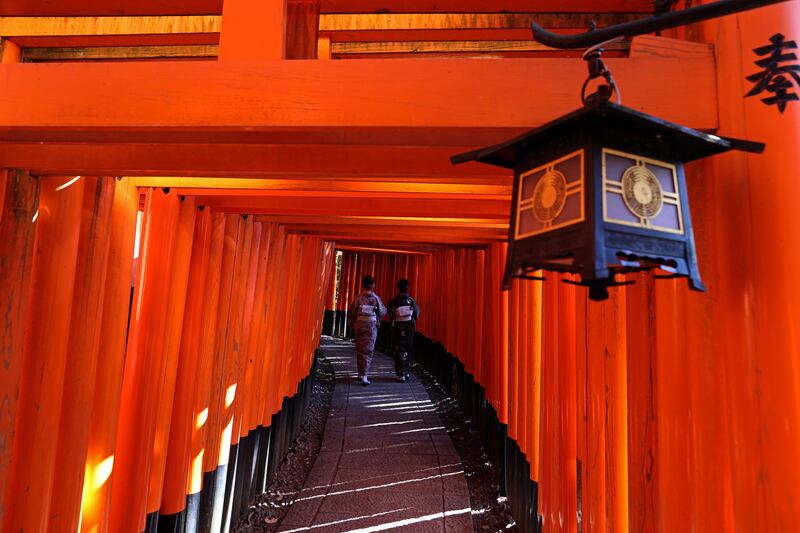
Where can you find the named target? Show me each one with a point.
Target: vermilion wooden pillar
(20, 194)
(355, 282)
(82, 353)
(642, 406)
(178, 457)
(9, 52)
(277, 320)
(233, 349)
(673, 398)
(527, 338)
(513, 354)
(480, 309)
(257, 337)
(287, 354)
(219, 426)
(205, 364)
(143, 362)
(302, 24)
(550, 447)
(176, 305)
(273, 290)
(503, 333)
(246, 330)
(616, 414)
(534, 312)
(237, 376)
(757, 322)
(593, 474)
(95, 505)
(253, 30)
(34, 449)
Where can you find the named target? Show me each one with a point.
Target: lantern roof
(691, 144)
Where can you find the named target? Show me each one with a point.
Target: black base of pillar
(328, 322)
(151, 523)
(172, 523)
(503, 451)
(229, 490)
(193, 513)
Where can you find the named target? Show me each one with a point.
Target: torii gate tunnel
(190, 192)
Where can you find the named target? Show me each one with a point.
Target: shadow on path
(386, 462)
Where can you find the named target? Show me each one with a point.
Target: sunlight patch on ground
(378, 424)
(410, 521)
(375, 487)
(328, 524)
(418, 430)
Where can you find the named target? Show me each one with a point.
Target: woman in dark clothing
(404, 312)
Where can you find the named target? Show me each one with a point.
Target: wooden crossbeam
(119, 52)
(194, 24)
(401, 47)
(370, 233)
(377, 250)
(463, 207)
(339, 48)
(214, 7)
(395, 222)
(413, 102)
(328, 187)
(399, 245)
(139, 25)
(482, 6)
(236, 159)
(449, 21)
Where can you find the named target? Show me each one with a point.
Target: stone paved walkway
(386, 462)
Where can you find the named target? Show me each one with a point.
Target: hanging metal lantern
(601, 191)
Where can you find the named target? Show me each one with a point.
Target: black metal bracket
(651, 24)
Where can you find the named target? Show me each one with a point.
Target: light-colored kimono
(364, 314)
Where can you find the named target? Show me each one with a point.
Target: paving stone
(379, 500)
(460, 523)
(302, 512)
(342, 522)
(386, 461)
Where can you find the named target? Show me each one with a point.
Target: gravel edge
(490, 509)
(269, 508)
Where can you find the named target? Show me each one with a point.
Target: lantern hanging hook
(597, 69)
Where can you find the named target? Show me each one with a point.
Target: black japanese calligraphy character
(779, 75)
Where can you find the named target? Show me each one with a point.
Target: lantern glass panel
(668, 218)
(529, 183)
(571, 167)
(550, 196)
(573, 208)
(528, 224)
(665, 176)
(647, 188)
(616, 208)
